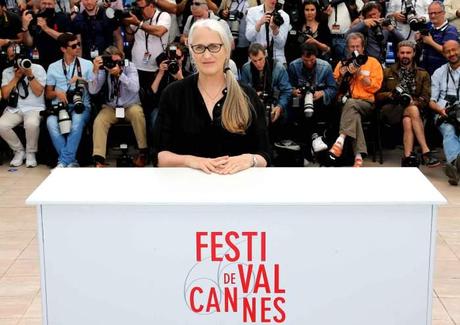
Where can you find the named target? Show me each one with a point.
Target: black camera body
(356, 59)
(21, 57)
(304, 35)
(278, 20)
(13, 99)
(401, 96)
(118, 14)
(170, 56)
(109, 63)
(415, 22)
(75, 97)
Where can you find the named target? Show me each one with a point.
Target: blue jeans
(67, 145)
(450, 141)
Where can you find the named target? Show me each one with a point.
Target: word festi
(260, 299)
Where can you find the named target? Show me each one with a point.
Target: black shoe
(430, 160)
(453, 174)
(410, 161)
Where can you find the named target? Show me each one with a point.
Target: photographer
(267, 80)
(445, 101)
(439, 32)
(22, 86)
(121, 83)
(308, 74)
(10, 26)
(42, 30)
(171, 64)
(400, 10)
(405, 94)
(269, 15)
(234, 12)
(359, 78)
(66, 85)
(311, 30)
(95, 30)
(377, 31)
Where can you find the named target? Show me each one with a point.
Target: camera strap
(76, 66)
(25, 87)
(147, 34)
(457, 86)
(114, 91)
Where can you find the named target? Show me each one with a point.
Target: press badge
(147, 56)
(120, 112)
(335, 29)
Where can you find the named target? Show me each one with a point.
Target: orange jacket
(374, 70)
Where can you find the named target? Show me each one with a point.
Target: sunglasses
(74, 46)
(197, 4)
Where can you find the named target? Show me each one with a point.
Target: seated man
(270, 82)
(406, 92)
(312, 76)
(445, 101)
(66, 87)
(22, 86)
(359, 78)
(122, 101)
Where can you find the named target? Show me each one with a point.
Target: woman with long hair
(208, 121)
(313, 29)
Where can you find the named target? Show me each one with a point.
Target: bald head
(451, 51)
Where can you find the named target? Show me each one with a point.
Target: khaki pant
(106, 118)
(350, 122)
(31, 121)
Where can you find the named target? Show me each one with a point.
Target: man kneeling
(121, 82)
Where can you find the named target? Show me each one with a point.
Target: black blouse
(184, 126)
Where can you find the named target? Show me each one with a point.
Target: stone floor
(19, 263)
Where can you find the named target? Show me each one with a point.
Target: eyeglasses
(74, 46)
(212, 48)
(434, 13)
(197, 4)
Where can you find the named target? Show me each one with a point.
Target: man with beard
(43, 32)
(414, 82)
(445, 94)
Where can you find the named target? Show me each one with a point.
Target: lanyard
(147, 35)
(238, 5)
(449, 74)
(75, 66)
(115, 90)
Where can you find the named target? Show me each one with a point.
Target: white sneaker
(74, 164)
(31, 161)
(318, 144)
(287, 144)
(18, 158)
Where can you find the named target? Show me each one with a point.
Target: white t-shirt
(421, 8)
(174, 30)
(155, 44)
(31, 102)
(343, 20)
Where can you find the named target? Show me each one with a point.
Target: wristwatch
(30, 78)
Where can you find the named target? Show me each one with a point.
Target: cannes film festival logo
(232, 275)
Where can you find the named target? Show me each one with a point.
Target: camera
(13, 99)
(109, 63)
(22, 63)
(234, 18)
(278, 20)
(75, 97)
(378, 33)
(356, 59)
(47, 13)
(304, 35)
(401, 96)
(307, 92)
(118, 15)
(171, 57)
(416, 23)
(20, 58)
(61, 111)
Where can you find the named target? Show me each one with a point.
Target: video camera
(170, 56)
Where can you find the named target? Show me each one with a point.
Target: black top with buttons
(184, 126)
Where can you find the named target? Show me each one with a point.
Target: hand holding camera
(26, 19)
(62, 97)
(399, 17)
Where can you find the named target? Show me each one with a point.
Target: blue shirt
(444, 81)
(60, 81)
(324, 79)
(280, 82)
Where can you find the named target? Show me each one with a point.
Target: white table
(132, 246)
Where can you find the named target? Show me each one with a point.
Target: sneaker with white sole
(287, 144)
(31, 161)
(18, 158)
(318, 144)
(73, 165)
